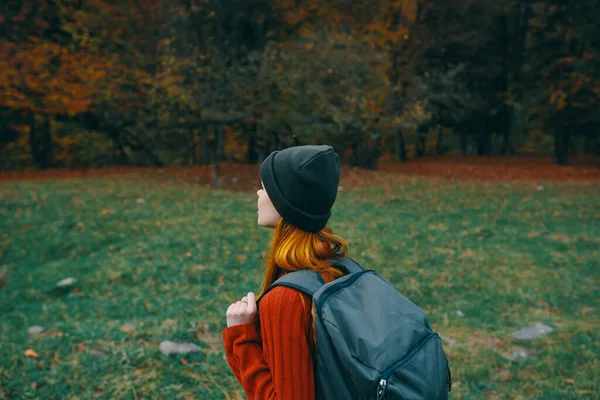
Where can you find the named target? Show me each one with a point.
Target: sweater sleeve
(278, 363)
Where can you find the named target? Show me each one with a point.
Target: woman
(271, 351)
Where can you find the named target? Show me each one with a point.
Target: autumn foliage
(163, 83)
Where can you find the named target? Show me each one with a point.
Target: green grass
(506, 256)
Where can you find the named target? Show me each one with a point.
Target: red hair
(293, 249)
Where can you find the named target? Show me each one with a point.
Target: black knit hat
(302, 183)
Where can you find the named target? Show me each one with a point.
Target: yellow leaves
(409, 9)
(20, 128)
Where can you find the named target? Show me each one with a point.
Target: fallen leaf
(586, 309)
(241, 258)
(31, 353)
(196, 376)
(97, 393)
(561, 238)
(126, 328)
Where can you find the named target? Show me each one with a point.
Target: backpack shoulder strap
(308, 281)
(349, 265)
(305, 280)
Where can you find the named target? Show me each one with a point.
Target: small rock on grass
(449, 341)
(66, 282)
(168, 347)
(532, 332)
(35, 330)
(95, 352)
(519, 354)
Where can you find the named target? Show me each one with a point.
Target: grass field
(483, 259)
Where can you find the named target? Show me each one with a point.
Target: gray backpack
(372, 342)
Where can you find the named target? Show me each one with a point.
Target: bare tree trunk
(419, 150)
(192, 158)
(374, 151)
(400, 146)
(251, 154)
(561, 145)
(34, 142)
(123, 159)
(205, 150)
(219, 144)
(277, 140)
(438, 142)
(483, 144)
(46, 151)
(521, 24)
(464, 143)
(507, 145)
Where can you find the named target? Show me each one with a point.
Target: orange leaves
(383, 35)
(47, 78)
(295, 16)
(30, 353)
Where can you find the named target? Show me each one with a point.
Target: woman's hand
(242, 312)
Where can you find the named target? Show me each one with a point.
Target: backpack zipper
(339, 285)
(409, 357)
(381, 389)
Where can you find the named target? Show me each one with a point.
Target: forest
(195, 82)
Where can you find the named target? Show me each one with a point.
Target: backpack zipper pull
(381, 389)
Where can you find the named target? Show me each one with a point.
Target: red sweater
(275, 361)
